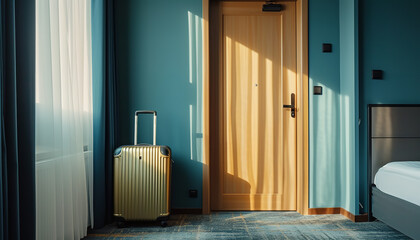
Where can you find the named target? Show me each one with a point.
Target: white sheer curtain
(63, 119)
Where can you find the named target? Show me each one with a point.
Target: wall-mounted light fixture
(377, 74)
(326, 47)
(317, 90)
(271, 6)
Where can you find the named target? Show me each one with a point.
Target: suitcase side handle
(138, 112)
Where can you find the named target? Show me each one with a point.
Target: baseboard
(320, 211)
(342, 211)
(186, 211)
(355, 218)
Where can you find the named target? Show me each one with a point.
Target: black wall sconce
(317, 90)
(326, 47)
(377, 74)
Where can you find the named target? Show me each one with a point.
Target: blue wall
(333, 116)
(159, 65)
(349, 91)
(324, 111)
(389, 40)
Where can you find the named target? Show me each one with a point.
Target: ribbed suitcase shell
(142, 176)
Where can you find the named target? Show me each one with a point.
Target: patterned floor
(251, 225)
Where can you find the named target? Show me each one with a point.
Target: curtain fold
(17, 73)
(104, 108)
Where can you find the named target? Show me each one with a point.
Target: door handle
(292, 106)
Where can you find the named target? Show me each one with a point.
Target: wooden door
(256, 168)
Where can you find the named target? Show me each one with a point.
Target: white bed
(401, 180)
(394, 166)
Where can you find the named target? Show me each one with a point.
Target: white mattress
(401, 180)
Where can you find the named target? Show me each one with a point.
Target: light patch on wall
(191, 132)
(194, 39)
(325, 143)
(346, 153)
(190, 44)
(195, 54)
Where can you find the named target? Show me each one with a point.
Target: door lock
(292, 106)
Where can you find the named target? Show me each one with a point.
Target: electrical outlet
(193, 193)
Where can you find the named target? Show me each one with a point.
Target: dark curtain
(17, 76)
(104, 108)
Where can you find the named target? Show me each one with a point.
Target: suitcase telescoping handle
(136, 123)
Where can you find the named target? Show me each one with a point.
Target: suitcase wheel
(121, 224)
(163, 223)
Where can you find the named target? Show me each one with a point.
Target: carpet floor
(250, 225)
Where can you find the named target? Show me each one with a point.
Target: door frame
(302, 108)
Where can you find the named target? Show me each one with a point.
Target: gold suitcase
(142, 176)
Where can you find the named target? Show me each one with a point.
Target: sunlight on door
(257, 169)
